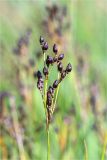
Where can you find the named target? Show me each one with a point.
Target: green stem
(86, 151)
(48, 144)
(56, 96)
(45, 89)
(46, 114)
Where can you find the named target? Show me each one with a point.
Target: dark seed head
(60, 57)
(68, 68)
(48, 94)
(55, 84)
(55, 48)
(63, 74)
(41, 40)
(60, 67)
(40, 84)
(51, 89)
(39, 74)
(45, 46)
(40, 80)
(45, 71)
(49, 60)
(49, 99)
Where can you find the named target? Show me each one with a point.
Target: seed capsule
(49, 99)
(45, 71)
(41, 40)
(49, 60)
(49, 102)
(40, 84)
(48, 94)
(45, 46)
(51, 90)
(55, 48)
(40, 80)
(63, 74)
(60, 57)
(68, 68)
(55, 84)
(60, 67)
(39, 74)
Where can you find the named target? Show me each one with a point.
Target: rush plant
(50, 92)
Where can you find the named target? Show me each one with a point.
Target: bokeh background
(79, 27)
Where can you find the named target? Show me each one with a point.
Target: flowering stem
(86, 152)
(48, 144)
(50, 94)
(56, 96)
(47, 125)
(45, 89)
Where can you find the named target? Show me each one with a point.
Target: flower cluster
(57, 20)
(22, 43)
(49, 94)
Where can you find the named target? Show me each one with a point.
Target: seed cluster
(57, 20)
(23, 43)
(50, 92)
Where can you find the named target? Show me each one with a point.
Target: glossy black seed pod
(45, 71)
(49, 60)
(40, 84)
(68, 68)
(51, 89)
(48, 94)
(39, 74)
(45, 46)
(41, 40)
(60, 57)
(49, 99)
(60, 67)
(55, 84)
(55, 48)
(40, 80)
(49, 102)
(63, 74)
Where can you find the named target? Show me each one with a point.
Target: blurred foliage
(79, 27)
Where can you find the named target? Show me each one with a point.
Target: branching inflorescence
(49, 94)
